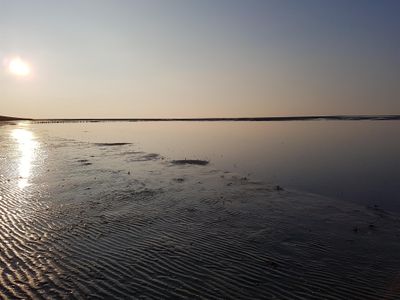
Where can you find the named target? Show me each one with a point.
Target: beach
(110, 219)
(200, 150)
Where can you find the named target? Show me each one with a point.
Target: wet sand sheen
(109, 221)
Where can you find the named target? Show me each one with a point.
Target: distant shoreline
(240, 119)
(5, 119)
(253, 119)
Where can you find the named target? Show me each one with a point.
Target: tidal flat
(127, 211)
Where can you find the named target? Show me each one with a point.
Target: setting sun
(19, 67)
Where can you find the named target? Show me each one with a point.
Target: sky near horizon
(205, 58)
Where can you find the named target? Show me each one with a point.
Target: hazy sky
(204, 58)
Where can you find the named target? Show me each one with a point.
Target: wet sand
(107, 221)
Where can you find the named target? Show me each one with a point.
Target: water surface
(353, 160)
(101, 211)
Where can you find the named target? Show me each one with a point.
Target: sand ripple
(122, 227)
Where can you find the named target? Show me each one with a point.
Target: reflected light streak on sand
(27, 146)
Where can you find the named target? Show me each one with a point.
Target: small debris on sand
(84, 162)
(179, 179)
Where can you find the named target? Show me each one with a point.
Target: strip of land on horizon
(289, 118)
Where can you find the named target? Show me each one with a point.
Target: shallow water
(101, 211)
(357, 161)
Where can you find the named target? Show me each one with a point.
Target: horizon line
(270, 118)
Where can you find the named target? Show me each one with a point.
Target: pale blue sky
(167, 58)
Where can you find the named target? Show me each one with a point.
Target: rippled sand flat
(111, 221)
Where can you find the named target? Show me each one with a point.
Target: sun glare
(27, 146)
(18, 67)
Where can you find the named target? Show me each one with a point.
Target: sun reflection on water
(27, 146)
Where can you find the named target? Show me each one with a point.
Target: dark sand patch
(111, 144)
(197, 162)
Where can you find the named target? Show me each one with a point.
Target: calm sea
(358, 161)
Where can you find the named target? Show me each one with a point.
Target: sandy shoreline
(108, 221)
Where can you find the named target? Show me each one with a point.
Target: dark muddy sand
(198, 162)
(106, 221)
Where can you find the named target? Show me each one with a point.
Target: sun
(18, 67)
